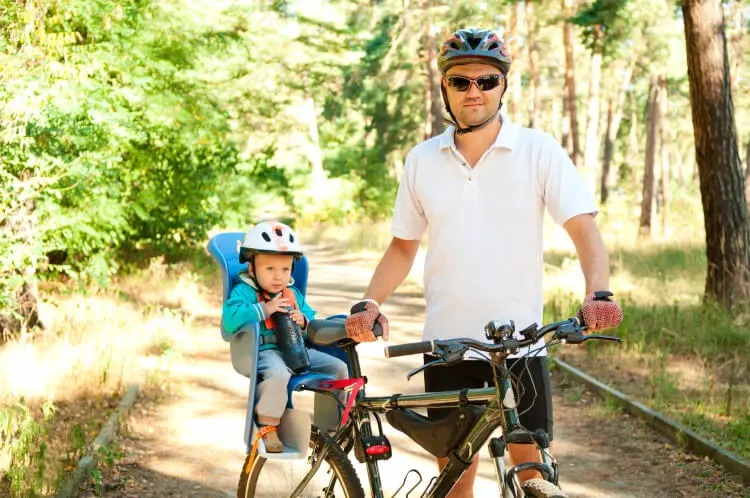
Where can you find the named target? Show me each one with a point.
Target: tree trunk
(511, 40)
(433, 100)
(664, 149)
(427, 127)
(658, 163)
(567, 137)
(747, 174)
(652, 137)
(568, 41)
(555, 119)
(535, 87)
(724, 202)
(591, 154)
(738, 43)
(23, 312)
(608, 150)
(633, 146)
(614, 116)
(315, 154)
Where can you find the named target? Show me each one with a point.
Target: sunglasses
(484, 83)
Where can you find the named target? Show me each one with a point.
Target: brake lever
(603, 338)
(437, 362)
(570, 333)
(448, 354)
(453, 353)
(578, 337)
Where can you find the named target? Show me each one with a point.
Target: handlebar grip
(409, 349)
(377, 330)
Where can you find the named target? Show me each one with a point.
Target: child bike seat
(243, 345)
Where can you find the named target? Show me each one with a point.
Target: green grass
(660, 286)
(687, 357)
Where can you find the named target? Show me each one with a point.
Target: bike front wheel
(335, 477)
(539, 488)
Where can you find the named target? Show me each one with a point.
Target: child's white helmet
(270, 237)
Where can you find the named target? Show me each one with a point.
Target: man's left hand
(599, 311)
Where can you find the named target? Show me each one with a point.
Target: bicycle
(481, 411)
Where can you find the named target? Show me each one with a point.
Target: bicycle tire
(348, 484)
(539, 488)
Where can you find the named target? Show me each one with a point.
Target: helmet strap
(469, 129)
(252, 273)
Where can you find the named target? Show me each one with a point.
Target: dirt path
(189, 443)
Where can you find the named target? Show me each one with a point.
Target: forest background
(132, 131)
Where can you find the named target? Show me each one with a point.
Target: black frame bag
(439, 437)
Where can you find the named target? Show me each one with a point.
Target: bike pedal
(377, 448)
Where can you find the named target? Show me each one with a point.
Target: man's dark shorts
(533, 382)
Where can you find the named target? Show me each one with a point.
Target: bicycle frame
(500, 411)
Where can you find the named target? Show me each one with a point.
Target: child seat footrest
(310, 379)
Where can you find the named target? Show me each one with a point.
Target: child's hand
(298, 317)
(279, 303)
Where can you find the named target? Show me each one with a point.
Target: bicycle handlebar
(409, 349)
(570, 331)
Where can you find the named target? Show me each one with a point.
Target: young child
(270, 249)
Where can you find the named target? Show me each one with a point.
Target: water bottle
(291, 343)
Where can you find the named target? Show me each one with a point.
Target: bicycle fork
(509, 481)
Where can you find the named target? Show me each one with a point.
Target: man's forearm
(392, 269)
(595, 267)
(591, 250)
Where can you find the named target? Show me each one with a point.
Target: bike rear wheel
(278, 478)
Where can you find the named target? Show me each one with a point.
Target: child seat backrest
(224, 247)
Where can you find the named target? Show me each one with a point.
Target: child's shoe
(271, 440)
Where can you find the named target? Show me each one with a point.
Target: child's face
(273, 271)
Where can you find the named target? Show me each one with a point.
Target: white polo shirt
(484, 259)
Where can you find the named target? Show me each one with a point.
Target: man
(481, 188)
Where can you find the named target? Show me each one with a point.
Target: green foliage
(115, 137)
(77, 442)
(735, 435)
(22, 441)
(603, 23)
(106, 456)
(617, 28)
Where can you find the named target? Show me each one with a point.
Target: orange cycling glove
(366, 323)
(599, 312)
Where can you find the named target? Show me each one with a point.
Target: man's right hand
(364, 322)
(599, 311)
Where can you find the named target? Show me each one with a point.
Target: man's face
(473, 106)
